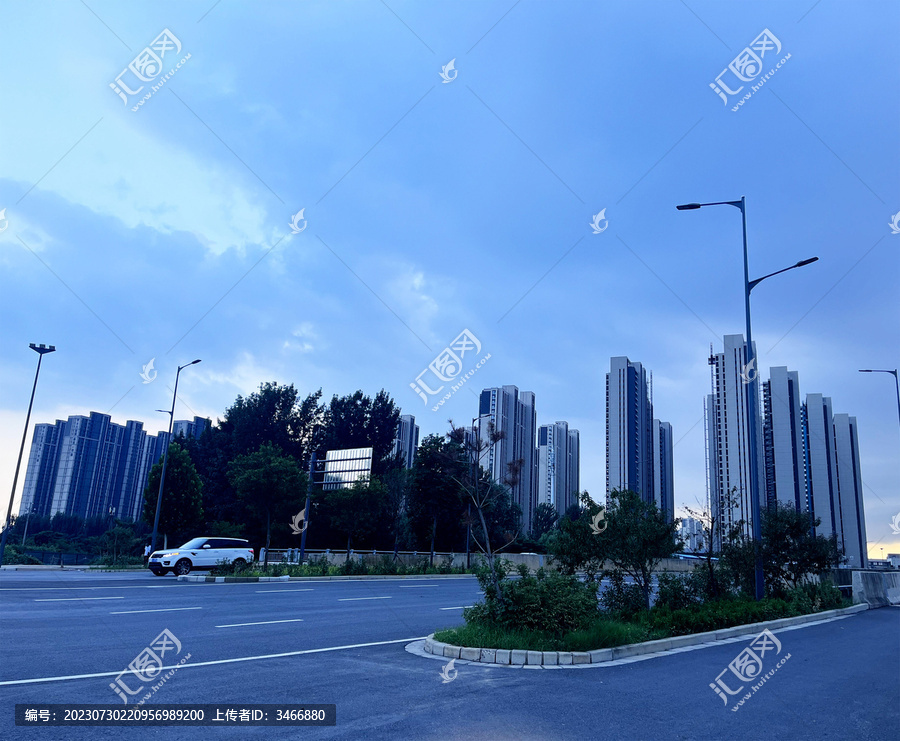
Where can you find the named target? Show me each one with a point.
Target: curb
(505, 657)
(249, 579)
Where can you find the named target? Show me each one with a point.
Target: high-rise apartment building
(92, 467)
(821, 465)
(785, 474)
(849, 484)
(510, 460)
(191, 428)
(638, 447)
(728, 440)
(629, 430)
(407, 439)
(557, 454)
(663, 469)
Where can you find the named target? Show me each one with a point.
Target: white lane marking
(454, 608)
(264, 622)
(215, 663)
(72, 589)
(420, 586)
(165, 609)
(281, 591)
(356, 599)
(73, 599)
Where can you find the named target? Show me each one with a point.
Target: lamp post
(41, 350)
(753, 392)
(162, 475)
(896, 382)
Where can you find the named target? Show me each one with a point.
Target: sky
(450, 160)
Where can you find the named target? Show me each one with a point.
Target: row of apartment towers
(807, 456)
(541, 464)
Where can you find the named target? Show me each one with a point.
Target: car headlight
(170, 555)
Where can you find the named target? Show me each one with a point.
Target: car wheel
(239, 564)
(183, 567)
(160, 573)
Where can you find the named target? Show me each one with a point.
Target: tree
(397, 487)
(270, 483)
(574, 545)
(433, 497)
(489, 499)
(712, 532)
(357, 511)
(181, 513)
(358, 421)
(791, 553)
(638, 538)
(545, 518)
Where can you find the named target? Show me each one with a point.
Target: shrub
(545, 601)
(621, 599)
(676, 591)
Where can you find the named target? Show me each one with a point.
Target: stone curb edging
(508, 657)
(246, 579)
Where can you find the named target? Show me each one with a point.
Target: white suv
(201, 553)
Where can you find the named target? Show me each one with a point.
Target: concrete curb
(249, 579)
(555, 658)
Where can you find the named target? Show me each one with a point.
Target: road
(300, 642)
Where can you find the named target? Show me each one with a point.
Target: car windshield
(195, 543)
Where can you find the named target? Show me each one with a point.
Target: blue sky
(433, 207)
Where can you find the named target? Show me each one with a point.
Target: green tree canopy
(359, 421)
(270, 484)
(181, 513)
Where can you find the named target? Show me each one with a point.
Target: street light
(162, 475)
(896, 382)
(753, 392)
(41, 350)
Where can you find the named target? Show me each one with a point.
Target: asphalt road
(300, 642)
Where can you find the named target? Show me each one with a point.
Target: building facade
(90, 466)
(629, 431)
(558, 466)
(785, 471)
(407, 439)
(511, 459)
(728, 440)
(849, 486)
(663, 469)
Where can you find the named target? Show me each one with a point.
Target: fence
(61, 559)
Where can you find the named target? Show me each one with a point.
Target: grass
(602, 634)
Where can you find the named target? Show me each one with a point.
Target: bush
(722, 614)
(621, 599)
(548, 602)
(676, 591)
(818, 597)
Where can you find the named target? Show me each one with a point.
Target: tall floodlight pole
(41, 350)
(162, 475)
(309, 488)
(751, 376)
